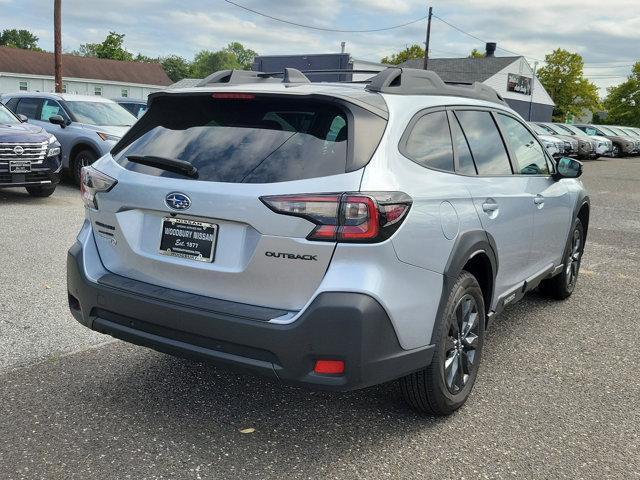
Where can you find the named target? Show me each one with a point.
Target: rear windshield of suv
(247, 139)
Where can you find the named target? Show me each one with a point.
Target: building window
(97, 91)
(124, 92)
(23, 86)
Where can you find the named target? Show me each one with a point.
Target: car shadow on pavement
(204, 408)
(126, 407)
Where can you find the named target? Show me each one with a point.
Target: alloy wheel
(462, 343)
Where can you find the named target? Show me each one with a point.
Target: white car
(604, 146)
(554, 145)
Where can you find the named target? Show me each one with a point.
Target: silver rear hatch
(226, 244)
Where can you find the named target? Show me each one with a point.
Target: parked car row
(576, 142)
(626, 140)
(76, 129)
(594, 141)
(588, 141)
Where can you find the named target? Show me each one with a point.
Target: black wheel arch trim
(467, 245)
(80, 146)
(583, 200)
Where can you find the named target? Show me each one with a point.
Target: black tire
(563, 284)
(82, 159)
(617, 151)
(41, 191)
(437, 390)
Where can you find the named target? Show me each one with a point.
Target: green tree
(145, 59)
(475, 53)
(233, 56)
(244, 55)
(413, 52)
(206, 62)
(623, 101)
(112, 47)
(176, 67)
(19, 39)
(563, 78)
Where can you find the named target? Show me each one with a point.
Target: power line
(382, 29)
(481, 40)
(368, 30)
(586, 65)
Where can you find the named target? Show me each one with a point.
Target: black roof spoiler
(391, 80)
(237, 77)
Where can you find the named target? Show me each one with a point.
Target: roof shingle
(28, 62)
(464, 70)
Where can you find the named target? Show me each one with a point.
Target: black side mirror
(22, 118)
(58, 120)
(568, 168)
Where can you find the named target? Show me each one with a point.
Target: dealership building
(31, 71)
(511, 77)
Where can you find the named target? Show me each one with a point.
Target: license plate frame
(19, 166)
(198, 246)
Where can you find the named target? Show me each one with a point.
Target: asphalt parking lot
(558, 393)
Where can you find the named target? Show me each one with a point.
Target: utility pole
(57, 45)
(533, 82)
(426, 46)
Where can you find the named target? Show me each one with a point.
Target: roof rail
(396, 80)
(411, 81)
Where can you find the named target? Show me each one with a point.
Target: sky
(606, 34)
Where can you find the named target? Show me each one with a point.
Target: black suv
(29, 155)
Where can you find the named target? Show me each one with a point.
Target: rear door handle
(538, 200)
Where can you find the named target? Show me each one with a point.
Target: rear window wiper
(169, 164)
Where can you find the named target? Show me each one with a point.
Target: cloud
(608, 33)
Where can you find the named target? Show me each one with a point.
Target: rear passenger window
(465, 159)
(530, 158)
(29, 107)
(485, 142)
(429, 143)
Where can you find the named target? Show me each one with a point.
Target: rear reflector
(329, 367)
(346, 217)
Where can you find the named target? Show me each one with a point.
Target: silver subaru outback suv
(333, 235)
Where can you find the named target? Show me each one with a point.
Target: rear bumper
(351, 327)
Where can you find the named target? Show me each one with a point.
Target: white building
(511, 77)
(26, 70)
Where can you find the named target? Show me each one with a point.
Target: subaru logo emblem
(177, 201)
(18, 150)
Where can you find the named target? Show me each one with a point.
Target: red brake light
(346, 217)
(233, 96)
(329, 367)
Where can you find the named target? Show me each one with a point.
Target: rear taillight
(346, 217)
(93, 181)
